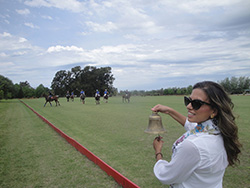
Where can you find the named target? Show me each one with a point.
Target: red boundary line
(119, 178)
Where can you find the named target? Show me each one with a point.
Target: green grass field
(113, 131)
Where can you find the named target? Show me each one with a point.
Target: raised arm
(170, 111)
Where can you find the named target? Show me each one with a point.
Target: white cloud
(7, 21)
(198, 6)
(23, 11)
(72, 5)
(106, 27)
(21, 39)
(47, 17)
(10, 42)
(4, 64)
(5, 34)
(31, 25)
(59, 48)
(2, 54)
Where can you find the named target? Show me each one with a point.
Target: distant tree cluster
(236, 85)
(168, 91)
(232, 85)
(8, 90)
(89, 79)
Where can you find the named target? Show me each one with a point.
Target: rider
(105, 93)
(82, 92)
(67, 94)
(50, 95)
(97, 93)
(126, 93)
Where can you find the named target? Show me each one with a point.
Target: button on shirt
(199, 161)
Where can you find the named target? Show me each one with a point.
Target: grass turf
(114, 132)
(34, 155)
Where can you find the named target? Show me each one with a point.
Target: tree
(89, 79)
(28, 91)
(189, 89)
(16, 90)
(40, 90)
(1, 94)
(236, 85)
(6, 86)
(61, 82)
(20, 93)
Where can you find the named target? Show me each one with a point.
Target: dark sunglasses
(196, 103)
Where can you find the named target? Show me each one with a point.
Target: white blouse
(198, 162)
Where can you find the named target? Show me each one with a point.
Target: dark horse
(67, 96)
(106, 97)
(72, 97)
(49, 99)
(126, 97)
(82, 98)
(97, 98)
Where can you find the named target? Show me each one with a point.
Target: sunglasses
(196, 103)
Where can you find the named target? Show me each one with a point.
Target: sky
(149, 44)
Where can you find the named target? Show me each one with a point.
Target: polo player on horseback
(97, 97)
(97, 93)
(82, 96)
(105, 93)
(50, 95)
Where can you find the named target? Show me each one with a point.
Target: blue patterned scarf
(206, 127)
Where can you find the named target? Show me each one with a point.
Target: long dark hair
(220, 100)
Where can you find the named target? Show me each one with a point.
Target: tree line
(8, 90)
(232, 86)
(91, 78)
(159, 92)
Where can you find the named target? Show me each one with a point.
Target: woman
(201, 155)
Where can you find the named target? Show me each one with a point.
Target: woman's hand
(161, 108)
(158, 144)
(170, 111)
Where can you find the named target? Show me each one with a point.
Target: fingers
(159, 108)
(158, 138)
(158, 143)
(156, 108)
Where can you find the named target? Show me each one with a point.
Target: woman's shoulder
(207, 142)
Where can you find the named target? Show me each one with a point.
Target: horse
(67, 96)
(49, 99)
(97, 98)
(82, 98)
(126, 97)
(72, 97)
(105, 97)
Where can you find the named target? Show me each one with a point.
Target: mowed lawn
(33, 155)
(113, 131)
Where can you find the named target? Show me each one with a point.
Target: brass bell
(155, 124)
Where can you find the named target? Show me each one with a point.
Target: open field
(34, 155)
(114, 132)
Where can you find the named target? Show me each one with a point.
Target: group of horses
(49, 99)
(98, 97)
(70, 96)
